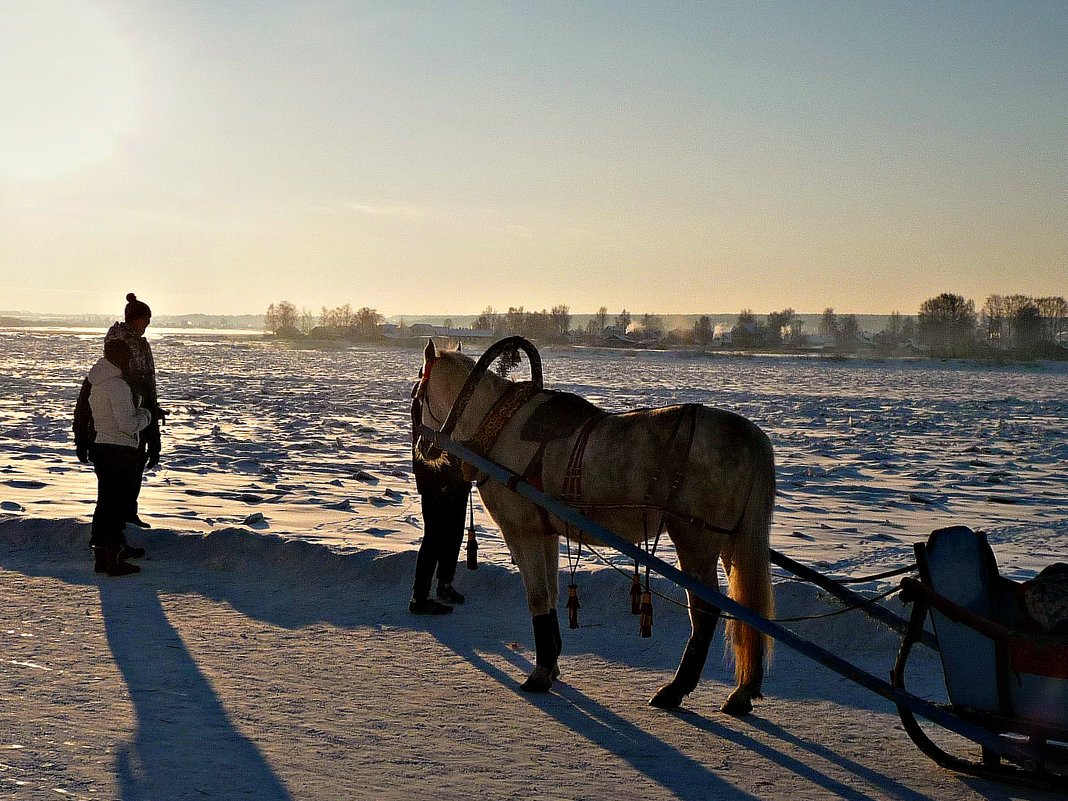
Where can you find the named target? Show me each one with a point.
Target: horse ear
(429, 352)
(459, 346)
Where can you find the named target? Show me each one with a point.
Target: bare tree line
(946, 325)
(283, 319)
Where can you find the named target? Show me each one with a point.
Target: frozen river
(313, 444)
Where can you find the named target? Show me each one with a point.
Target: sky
(441, 157)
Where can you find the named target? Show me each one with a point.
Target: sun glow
(67, 88)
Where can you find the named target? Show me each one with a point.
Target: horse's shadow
(805, 769)
(684, 777)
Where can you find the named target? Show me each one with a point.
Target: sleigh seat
(1002, 671)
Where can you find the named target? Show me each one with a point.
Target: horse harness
(660, 494)
(585, 417)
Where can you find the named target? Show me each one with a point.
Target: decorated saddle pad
(558, 417)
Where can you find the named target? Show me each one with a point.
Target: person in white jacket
(119, 421)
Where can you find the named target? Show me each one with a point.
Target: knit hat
(136, 308)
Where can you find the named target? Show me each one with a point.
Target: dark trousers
(118, 479)
(443, 533)
(136, 479)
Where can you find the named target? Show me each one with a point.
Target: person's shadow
(185, 745)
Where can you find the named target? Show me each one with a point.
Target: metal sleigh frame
(1012, 744)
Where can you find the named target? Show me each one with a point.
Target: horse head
(443, 375)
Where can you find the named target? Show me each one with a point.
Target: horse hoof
(667, 697)
(539, 681)
(738, 703)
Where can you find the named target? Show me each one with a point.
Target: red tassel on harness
(645, 624)
(635, 595)
(572, 606)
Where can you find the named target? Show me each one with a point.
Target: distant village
(946, 326)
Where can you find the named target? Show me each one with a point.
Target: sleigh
(1001, 673)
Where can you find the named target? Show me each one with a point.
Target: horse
(706, 475)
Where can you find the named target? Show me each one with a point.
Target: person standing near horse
(118, 422)
(443, 494)
(142, 379)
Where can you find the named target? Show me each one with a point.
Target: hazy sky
(439, 157)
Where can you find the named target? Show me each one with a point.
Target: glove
(81, 447)
(154, 446)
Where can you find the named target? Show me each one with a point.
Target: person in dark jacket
(142, 379)
(443, 494)
(118, 423)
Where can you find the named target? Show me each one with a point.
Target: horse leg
(547, 650)
(740, 701)
(537, 559)
(703, 619)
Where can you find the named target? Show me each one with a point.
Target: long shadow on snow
(987, 788)
(686, 778)
(267, 578)
(185, 745)
(803, 769)
(291, 583)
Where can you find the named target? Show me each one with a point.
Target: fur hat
(136, 308)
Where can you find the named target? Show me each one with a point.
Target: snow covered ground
(266, 651)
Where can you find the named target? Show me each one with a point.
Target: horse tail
(749, 579)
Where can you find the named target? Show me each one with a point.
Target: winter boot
(448, 594)
(428, 606)
(115, 565)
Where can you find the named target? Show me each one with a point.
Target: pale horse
(706, 475)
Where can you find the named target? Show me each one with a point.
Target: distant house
(739, 334)
(820, 341)
(618, 341)
(426, 330)
(420, 330)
